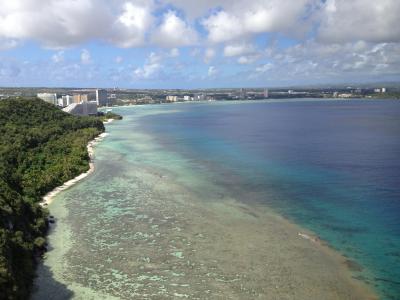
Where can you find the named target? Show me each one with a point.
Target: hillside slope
(40, 148)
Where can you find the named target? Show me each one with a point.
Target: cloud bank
(64, 23)
(264, 38)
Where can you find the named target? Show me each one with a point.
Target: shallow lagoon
(159, 220)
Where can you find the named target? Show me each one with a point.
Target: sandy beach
(48, 198)
(185, 246)
(149, 227)
(108, 121)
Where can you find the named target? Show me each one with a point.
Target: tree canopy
(40, 148)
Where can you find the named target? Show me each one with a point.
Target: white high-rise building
(265, 93)
(48, 97)
(68, 99)
(171, 98)
(199, 97)
(65, 100)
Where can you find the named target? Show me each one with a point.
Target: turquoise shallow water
(331, 166)
(147, 223)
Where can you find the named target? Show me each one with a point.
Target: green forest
(40, 148)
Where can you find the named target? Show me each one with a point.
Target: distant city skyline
(198, 44)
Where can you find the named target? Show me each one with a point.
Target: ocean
(330, 166)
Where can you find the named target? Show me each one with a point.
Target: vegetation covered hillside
(40, 148)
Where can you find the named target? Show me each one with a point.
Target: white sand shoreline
(237, 248)
(49, 197)
(108, 121)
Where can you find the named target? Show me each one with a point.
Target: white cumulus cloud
(58, 57)
(238, 49)
(212, 71)
(245, 18)
(86, 58)
(64, 23)
(326, 39)
(174, 32)
(6, 44)
(371, 21)
(320, 61)
(131, 26)
(150, 69)
(173, 23)
(264, 68)
(247, 59)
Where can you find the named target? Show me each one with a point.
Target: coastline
(189, 240)
(271, 99)
(49, 197)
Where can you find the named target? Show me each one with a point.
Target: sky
(198, 43)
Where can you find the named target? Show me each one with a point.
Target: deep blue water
(330, 166)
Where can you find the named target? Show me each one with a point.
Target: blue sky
(197, 44)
